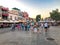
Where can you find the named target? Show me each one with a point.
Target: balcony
(5, 14)
(5, 9)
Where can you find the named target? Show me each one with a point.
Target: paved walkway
(55, 33)
(27, 38)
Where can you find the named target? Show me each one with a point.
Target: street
(29, 38)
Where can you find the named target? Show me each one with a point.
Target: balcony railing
(5, 9)
(5, 14)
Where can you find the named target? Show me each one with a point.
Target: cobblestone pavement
(55, 33)
(4, 30)
(29, 38)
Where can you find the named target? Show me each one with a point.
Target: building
(25, 15)
(17, 16)
(0, 12)
(4, 13)
(7, 17)
(4, 16)
(13, 15)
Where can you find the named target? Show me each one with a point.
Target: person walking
(31, 27)
(25, 26)
(46, 27)
(22, 26)
(41, 26)
(28, 27)
(13, 27)
(18, 27)
(36, 28)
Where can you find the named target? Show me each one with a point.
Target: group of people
(20, 26)
(35, 27)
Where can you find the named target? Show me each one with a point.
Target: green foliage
(16, 8)
(38, 17)
(55, 15)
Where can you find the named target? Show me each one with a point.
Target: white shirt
(46, 25)
(42, 25)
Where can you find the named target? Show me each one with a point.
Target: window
(10, 17)
(0, 13)
(0, 10)
(15, 18)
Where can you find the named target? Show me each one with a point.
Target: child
(35, 28)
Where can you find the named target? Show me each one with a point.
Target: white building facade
(13, 15)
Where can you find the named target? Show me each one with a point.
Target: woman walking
(18, 27)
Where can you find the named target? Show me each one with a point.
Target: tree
(55, 15)
(38, 17)
(16, 8)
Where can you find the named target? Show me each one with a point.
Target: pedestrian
(32, 23)
(13, 27)
(22, 26)
(36, 28)
(28, 27)
(46, 27)
(42, 26)
(25, 26)
(31, 27)
(18, 26)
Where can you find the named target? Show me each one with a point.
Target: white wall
(13, 16)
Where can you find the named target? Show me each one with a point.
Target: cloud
(32, 11)
(12, 3)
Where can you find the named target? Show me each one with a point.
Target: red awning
(6, 9)
(5, 14)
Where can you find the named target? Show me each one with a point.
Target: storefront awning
(22, 21)
(5, 21)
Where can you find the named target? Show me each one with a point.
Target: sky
(33, 7)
